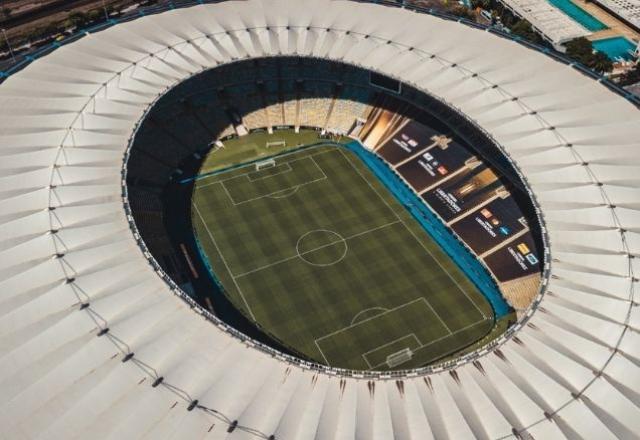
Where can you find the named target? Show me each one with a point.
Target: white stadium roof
(571, 371)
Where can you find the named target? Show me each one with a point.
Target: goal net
(269, 163)
(280, 143)
(399, 357)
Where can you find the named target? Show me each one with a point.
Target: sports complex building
(316, 220)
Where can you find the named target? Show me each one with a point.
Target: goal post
(269, 163)
(399, 357)
(278, 143)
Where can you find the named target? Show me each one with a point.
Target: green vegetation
(523, 28)
(517, 26)
(319, 254)
(632, 76)
(463, 12)
(581, 50)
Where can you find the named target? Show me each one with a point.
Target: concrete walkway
(616, 27)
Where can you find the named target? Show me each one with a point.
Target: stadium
(316, 219)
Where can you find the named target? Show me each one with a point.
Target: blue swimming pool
(615, 48)
(578, 14)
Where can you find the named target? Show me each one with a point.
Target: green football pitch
(321, 256)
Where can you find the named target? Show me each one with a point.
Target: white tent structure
(94, 344)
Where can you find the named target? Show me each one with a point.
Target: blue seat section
(444, 236)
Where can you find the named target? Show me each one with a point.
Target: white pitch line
(393, 342)
(439, 339)
(445, 271)
(290, 193)
(251, 179)
(369, 319)
(415, 237)
(217, 174)
(271, 194)
(224, 261)
(322, 353)
(437, 316)
(318, 167)
(366, 310)
(368, 363)
(275, 263)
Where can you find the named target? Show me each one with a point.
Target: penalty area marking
(437, 340)
(423, 299)
(288, 191)
(280, 157)
(273, 194)
(382, 309)
(369, 319)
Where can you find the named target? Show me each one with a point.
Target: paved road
(45, 11)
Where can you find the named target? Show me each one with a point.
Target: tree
(41, 33)
(484, 4)
(6, 12)
(95, 15)
(461, 11)
(523, 29)
(580, 49)
(600, 63)
(77, 19)
(494, 17)
(632, 76)
(506, 16)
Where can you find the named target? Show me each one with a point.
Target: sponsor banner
(406, 141)
(494, 223)
(516, 259)
(435, 165)
(465, 192)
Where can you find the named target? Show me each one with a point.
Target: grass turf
(322, 257)
(245, 148)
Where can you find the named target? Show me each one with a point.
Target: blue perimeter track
(438, 231)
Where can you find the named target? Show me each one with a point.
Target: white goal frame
(399, 357)
(270, 144)
(269, 163)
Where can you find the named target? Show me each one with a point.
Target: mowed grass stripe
(298, 299)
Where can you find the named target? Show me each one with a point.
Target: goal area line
(258, 181)
(421, 347)
(409, 344)
(280, 157)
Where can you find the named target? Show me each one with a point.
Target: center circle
(321, 247)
